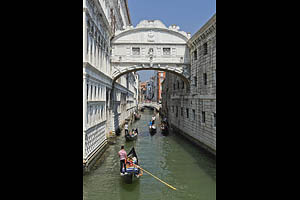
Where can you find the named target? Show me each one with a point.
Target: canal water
(171, 158)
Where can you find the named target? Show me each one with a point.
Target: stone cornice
(203, 32)
(105, 78)
(134, 30)
(147, 64)
(194, 96)
(151, 44)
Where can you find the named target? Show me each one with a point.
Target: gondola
(164, 129)
(132, 170)
(131, 137)
(137, 116)
(152, 129)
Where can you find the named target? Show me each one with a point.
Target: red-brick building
(160, 77)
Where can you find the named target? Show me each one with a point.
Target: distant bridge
(155, 105)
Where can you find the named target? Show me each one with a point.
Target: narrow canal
(171, 158)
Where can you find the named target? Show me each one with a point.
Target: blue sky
(189, 15)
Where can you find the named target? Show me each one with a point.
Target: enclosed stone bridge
(154, 105)
(151, 46)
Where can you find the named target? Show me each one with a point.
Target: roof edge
(203, 28)
(127, 10)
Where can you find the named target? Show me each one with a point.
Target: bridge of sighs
(151, 46)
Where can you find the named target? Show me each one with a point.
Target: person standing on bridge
(123, 157)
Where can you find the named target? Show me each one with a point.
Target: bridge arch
(140, 68)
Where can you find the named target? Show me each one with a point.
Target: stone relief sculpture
(151, 36)
(150, 51)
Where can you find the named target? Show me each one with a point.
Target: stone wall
(192, 110)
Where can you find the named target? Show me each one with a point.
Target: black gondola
(131, 169)
(152, 129)
(164, 129)
(131, 137)
(137, 116)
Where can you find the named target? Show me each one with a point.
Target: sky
(189, 15)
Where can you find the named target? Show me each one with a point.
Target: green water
(171, 158)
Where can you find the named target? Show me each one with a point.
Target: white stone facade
(101, 18)
(150, 45)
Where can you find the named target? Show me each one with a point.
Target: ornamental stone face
(151, 36)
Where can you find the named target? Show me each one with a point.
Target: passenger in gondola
(123, 157)
(132, 132)
(150, 123)
(165, 120)
(136, 130)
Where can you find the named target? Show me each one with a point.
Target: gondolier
(131, 169)
(123, 156)
(126, 128)
(153, 119)
(132, 135)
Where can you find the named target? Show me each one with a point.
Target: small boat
(137, 116)
(164, 129)
(118, 131)
(131, 136)
(152, 129)
(132, 170)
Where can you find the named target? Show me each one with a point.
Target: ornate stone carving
(151, 36)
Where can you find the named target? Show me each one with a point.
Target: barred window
(215, 119)
(166, 51)
(135, 51)
(195, 55)
(194, 114)
(205, 78)
(205, 48)
(195, 80)
(203, 117)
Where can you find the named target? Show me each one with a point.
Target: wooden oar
(157, 178)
